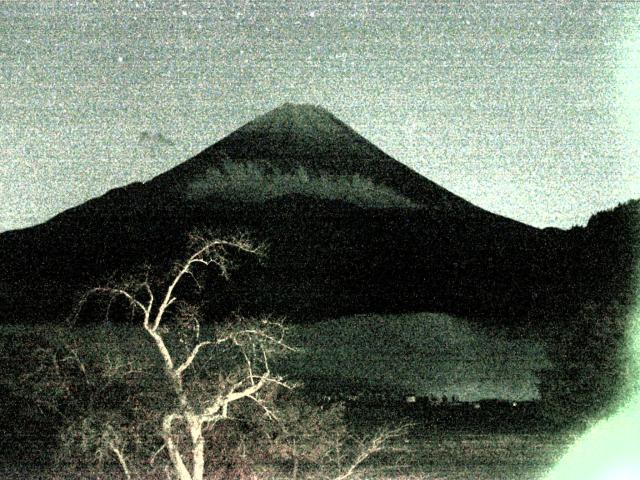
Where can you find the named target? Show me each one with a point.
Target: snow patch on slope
(251, 182)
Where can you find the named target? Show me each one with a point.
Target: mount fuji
(348, 229)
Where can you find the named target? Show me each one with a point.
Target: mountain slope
(293, 137)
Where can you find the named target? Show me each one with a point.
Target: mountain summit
(293, 137)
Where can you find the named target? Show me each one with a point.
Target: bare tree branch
(187, 363)
(376, 444)
(205, 255)
(121, 460)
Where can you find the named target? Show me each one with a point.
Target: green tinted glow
(610, 450)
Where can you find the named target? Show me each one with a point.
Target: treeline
(587, 314)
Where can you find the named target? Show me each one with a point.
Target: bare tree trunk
(197, 442)
(174, 454)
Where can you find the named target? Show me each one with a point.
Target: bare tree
(255, 341)
(164, 409)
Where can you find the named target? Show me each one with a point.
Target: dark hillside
(324, 257)
(586, 312)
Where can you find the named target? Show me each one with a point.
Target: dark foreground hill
(348, 230)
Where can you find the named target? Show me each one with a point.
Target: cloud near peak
(147, 137)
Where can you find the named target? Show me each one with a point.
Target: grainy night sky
(530, 110)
